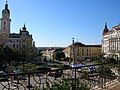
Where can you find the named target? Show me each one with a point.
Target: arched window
(4, 23)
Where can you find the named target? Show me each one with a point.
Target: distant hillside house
(21, 41)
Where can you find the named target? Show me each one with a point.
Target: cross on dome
(6, 5)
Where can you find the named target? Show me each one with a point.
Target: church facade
(22, 41)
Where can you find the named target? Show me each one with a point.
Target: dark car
(42, 69)
(56, 74)
(3, 75)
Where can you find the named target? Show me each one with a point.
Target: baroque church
(22, 41)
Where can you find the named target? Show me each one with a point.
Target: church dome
(6, 10)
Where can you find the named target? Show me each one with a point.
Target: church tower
(5, 25)
(5, 21)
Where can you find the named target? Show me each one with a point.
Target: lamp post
(74, 62)
(73, 51)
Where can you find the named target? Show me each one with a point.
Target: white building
(48, 53)
(111, 42)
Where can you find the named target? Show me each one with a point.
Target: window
(17, 40)
(23, 41)
(17, 45)
(13, 45)
(23, 46)
(89, 50)
(82, 51)
(4, 23)
(4, 28)
(23, 52)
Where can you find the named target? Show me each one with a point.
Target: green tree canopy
(105, 71)
(8, 55)
(58, 55)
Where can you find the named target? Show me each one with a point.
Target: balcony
(69, 78)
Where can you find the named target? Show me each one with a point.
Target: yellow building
(78, 51)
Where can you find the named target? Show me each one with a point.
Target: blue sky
(56, 22)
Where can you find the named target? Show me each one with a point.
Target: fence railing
(69, 78)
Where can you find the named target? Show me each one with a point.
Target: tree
(58, 55)
(105, 71)
(28, 67)
(18, 57)
(8, 55)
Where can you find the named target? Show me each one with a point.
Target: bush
(68, 84)
(28, 67)
(102, 70)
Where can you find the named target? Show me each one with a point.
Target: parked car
(56, 74)
(42, 69)
(21, 77)
(92, 69)
(3, 75)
